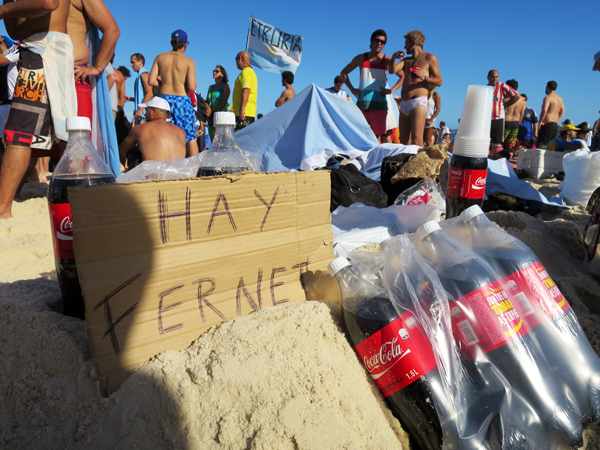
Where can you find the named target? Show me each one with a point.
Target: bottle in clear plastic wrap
(395, 351)
(494, 343)
(79, 165)
(225, 155)
(574, 364)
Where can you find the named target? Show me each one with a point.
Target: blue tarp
(310, 127)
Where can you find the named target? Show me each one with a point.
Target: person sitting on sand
(157, 139)
(563, 143)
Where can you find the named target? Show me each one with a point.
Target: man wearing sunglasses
(372, 92)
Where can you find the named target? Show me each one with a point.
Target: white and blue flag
(272, 49)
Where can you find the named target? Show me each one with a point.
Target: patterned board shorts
(182, 114)
(29, 122)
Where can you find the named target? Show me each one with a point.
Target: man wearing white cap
(157, 139)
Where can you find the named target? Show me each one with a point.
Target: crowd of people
(46, 76)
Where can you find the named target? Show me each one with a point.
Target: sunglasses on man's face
(380, 41)
(216, 71)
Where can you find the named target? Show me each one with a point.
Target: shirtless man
(156, 139)
(372, 92)
(513, 117)
(22, 19)
(552, 111)
(421, 73)
(287, 79)
(177, 75)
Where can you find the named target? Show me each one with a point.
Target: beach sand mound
(283, 377)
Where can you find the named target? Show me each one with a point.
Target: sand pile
(282, 377)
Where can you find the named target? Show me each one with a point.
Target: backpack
(202, 108)
(349, 185)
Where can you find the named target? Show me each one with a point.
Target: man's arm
(100, 16)
(190, 79)
(393, 66)
(244, 102)
(435, 78)
(153, 77)
(147, 93)
(522, 113)
(130, 142)
(357, 61)
(437, 108)
(27, 9)
(282, 99)
(394, 88)
(561, 112)
(511, 101)
(544, 110)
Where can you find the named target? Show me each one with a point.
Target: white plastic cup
(473, 137)
(476, 117)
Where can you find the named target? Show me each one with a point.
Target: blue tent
(313, 125)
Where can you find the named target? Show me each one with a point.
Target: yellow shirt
(246, 80)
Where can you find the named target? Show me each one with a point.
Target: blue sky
(533, 42)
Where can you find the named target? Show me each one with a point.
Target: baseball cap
(569, 127)
(182, 35)
(156, 102)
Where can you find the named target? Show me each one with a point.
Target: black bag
(202, 108)
(349, 185)
(389, 167)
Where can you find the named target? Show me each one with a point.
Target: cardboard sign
(161, 262)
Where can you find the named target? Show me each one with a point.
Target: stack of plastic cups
(468, 168)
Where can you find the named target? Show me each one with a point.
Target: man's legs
(405, 126)
(14, 165)
(418, 118)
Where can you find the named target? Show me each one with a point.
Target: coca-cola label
(422, 198)
(397, 355)
(62, 230)
(485, 320)
(534, 294)
(466, 183)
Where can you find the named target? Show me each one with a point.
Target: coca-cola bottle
(79, 165)
(225, 155)
(494, 343)
(467, 173)
(394, 350)
(467, 177)
(573, 363)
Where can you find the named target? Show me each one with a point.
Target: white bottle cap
(78, 123)
(427, 228)
(224, 118)
(470, 213)
(337, 264)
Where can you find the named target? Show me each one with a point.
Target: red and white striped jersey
(501, 91)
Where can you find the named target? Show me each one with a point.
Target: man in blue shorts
(177, 75)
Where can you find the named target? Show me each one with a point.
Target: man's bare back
(285, 96)
(552, 108)
(514, 113)
(157, 140)
(177, 73)
(20, 28)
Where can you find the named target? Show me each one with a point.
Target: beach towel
(56, 50)
(104, 134)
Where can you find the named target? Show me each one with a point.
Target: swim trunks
(376, 120)
(548, 131)
(29, 121)
(408, 105)
(182, 114)
(511, 130)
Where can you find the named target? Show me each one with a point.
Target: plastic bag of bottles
(574, 365)
(499, 352)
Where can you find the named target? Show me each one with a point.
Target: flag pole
(248, 37)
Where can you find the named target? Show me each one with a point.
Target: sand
(282, 377)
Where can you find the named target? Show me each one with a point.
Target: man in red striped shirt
(504, 96)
